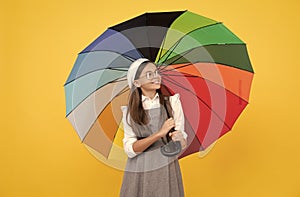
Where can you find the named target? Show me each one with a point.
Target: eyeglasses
(150, 75)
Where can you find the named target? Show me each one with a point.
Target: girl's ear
(136, 83)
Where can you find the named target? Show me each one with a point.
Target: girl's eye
(149, 75)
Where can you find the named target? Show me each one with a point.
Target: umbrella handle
(168, 108)
(171, 148)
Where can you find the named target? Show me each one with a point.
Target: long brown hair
(135, 105)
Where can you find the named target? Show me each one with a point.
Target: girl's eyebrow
(150, 70)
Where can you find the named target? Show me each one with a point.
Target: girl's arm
(129, 135)
(141, 145)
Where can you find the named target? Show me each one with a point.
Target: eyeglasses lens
(151, 75)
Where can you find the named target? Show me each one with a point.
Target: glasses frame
(148, 75)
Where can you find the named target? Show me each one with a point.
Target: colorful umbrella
(199, 58)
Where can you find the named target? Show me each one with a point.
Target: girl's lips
(156, 82)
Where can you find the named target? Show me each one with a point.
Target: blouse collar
(147, 98)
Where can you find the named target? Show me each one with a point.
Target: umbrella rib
(171, 81)
(121, 54)
(160, 51)
(182, 75)
(184, 53)
(122, 91)
(107, 68)
(189, 64)
(175, 45)
(185, 65)
(163, 68)
(117, 69)
(195, 135)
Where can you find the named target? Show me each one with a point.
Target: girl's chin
(157, 85)
(151, 86)
(154, 87)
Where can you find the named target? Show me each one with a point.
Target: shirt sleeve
(129, 136)
(178, 114)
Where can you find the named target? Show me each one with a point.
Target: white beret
(132, 70)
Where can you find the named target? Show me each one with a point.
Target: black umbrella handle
(170, 115)
(171, 148)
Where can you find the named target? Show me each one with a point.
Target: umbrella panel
(101, 135)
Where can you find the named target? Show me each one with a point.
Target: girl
(148, 172)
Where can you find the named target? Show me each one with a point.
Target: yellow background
(41, 155)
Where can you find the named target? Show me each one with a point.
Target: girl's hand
(177, 136)
(167, 126)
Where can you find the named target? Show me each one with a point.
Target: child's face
(149, 78)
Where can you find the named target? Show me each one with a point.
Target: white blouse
(130, 137)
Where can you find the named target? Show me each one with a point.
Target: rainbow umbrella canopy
(197, 57)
